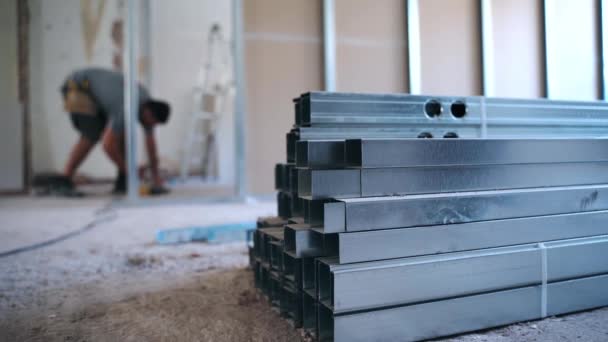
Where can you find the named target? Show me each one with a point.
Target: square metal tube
(405, 242)
(376, 153)
(463, 314)
(354, 183)
(372, 285)
(361, 214)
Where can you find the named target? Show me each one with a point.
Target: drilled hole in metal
(432, 108)
(458, 109)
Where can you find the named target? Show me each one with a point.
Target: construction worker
(94, 99)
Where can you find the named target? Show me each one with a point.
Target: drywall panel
(573, 62)
(517, 48)
(11, 130)
(450, 47)
(371, 51)
(283, 58)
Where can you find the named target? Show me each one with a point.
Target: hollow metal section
(372, 285)
(458, 315)
(360, 214)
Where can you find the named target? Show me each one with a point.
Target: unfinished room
(304, 170)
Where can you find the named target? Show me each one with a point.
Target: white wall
(179, 33)
(57, 48)
(11, 141)
(573, 69)
(178, 45)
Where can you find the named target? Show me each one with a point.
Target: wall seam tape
(543, 287)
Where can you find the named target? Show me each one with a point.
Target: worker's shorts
(89, 126)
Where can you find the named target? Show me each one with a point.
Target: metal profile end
(309, 313)
(325, 282)
(265, 279)
(305, 109)
(257, 243)
(353, 152)
(304, 182)
(325, 324)
(302, 153)
(275, 290)
(317, 243)
(296, 205)
(331, 245)
(276, 255)
(313, 211)
(291, 139)
(297, 111)
(292, 269)
(292, 175)
(334, 217)
(290, 239)
(308, 275)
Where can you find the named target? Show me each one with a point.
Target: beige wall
(518, 53)
(282, 60)
(450, 47)
(573, 49)
(371, 52)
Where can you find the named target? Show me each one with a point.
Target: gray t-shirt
(107, 88)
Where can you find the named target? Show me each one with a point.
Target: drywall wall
(517, 48)
(371, 46)
(450, 47)
(573, 68)
(283, 58)
(11, 130)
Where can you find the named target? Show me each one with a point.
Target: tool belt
(77, 98)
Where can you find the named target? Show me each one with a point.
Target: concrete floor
(112, 282)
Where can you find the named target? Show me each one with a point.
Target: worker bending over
(94, 99)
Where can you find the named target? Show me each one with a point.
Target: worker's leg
(79, 152)
(90, 128)
(113, 145)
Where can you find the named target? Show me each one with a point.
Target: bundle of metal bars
(384, 238)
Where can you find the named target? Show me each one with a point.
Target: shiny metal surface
(372, 182)
(371, 285)
(360, 214)
(437, 179)
(405, 242)
(320, 153)
(373, 153)
(458, 315)
(403, 109)
(319, 184)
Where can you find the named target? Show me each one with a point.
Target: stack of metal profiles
(410, 239)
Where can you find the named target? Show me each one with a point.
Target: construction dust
(220, 305)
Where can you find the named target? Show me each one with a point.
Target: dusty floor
(112, 283)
